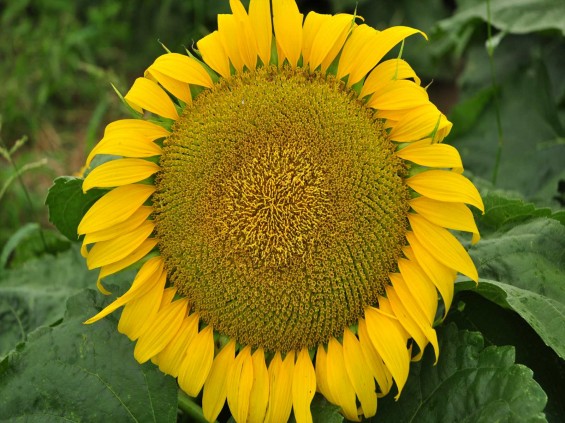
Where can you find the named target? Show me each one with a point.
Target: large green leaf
(34, 294)
(523, 268)
(512, 16)
(470, 383)
(75, 372)
(68, 204)
(502, 326)
(545, 315)
(502, 212)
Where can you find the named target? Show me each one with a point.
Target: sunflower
(287, 198)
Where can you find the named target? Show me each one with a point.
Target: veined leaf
(523, 268)
(75, 372)
(470, 383)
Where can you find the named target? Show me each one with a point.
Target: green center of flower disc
(280, 208)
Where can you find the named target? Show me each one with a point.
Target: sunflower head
(287, 196)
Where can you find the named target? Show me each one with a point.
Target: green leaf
(512, 16)
(502, 326)
(470, 383)
(503, 212)
(545, 315)
(523, 269)
(35, 293)
(67, 204)
(77, 372)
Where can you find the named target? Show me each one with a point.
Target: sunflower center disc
(280, 208)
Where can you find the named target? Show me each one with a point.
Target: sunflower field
(282, 211)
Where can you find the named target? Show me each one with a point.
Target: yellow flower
(289, 201)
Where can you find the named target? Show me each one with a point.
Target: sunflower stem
(490, 51)
(187, 405)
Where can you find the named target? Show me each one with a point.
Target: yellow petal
(287, 21)
(390, 343)
(260, 16)
(411, 317)
(124, 127)
(227, 27)
(391, 116)
(356, 366)
(149, 96)
(446, 186)
(247, 45)
(215, 388)
(418, 123)
(116, 249)
(280, 395)
(329, 40)
(115, 207)
(338, 381)
(140, 313)
(182, 68)
(147, 277)
(374, 49)
(443, 131)
(123, 228)
(389, 70)
(260, 390)
(214, 54)
(356, 51)
(431, 155)
(127, 145)
(303, 387)
(448, 215)
(443, 246)
(119, 172)
(441, 275)
(312, 25)
(83, 250)
(373, 360)
(130, 138)
(141, 251)
(416, 283)
(197, 362)
(179, 89)
(240, 381)
(398, 95)
(165, 325)
(171, 357)
(385, 308)
(322, 374)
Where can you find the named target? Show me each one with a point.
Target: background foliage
(496, 68)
